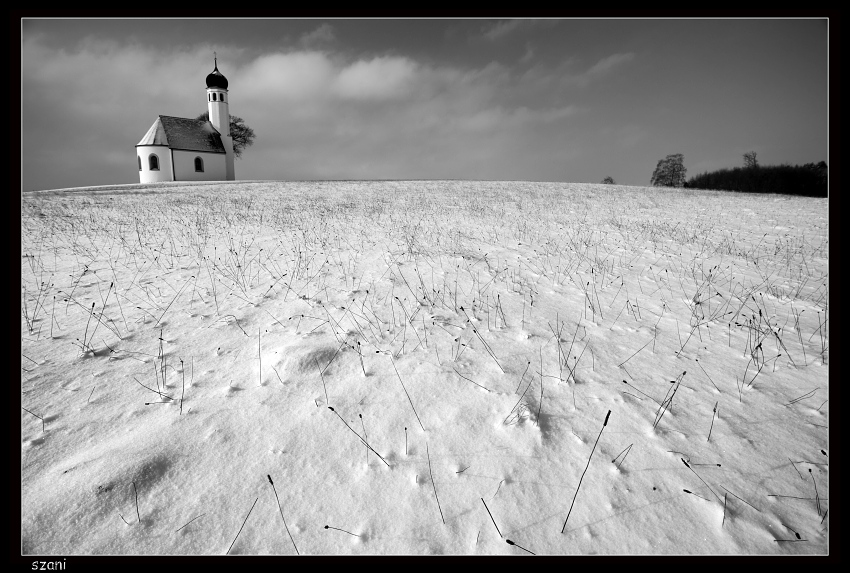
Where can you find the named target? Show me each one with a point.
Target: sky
(572, 100)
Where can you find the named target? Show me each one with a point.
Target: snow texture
(182, 345)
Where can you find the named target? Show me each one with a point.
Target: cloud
(312, 76)
(501, 29)
(376, 79)
(565, 74)
(495, 31)
(605, 65)
(317, 114)
(293, 76)
(322, 35)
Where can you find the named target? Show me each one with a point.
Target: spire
(216, 79)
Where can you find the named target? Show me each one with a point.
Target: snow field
(497, 322)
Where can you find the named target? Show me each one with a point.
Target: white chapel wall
(164, 156)
(214, 166)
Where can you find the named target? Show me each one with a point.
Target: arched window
(153, 162)
(199, 165)
(213, 97)
(140, 162)
(222, 97)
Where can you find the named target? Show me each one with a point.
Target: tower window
(213, 97)
(153, 162)
(199, 165)
(209, 97)
(140, 162)
(222, 97)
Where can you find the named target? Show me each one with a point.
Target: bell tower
(218, 100)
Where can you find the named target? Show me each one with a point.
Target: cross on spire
(215, 59)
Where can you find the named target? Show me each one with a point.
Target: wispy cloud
(502, 28)
(605, 65)
(602, 68)
(321, 36)
(499, 29)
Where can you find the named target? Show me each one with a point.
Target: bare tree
(243, 136)
(609, 181)
(750, 161)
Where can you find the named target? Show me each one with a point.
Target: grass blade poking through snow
(585, 470)
(625, 451)
(138, 515)
(692, 493)
(433, 484)
(633, 355)
(183, 388)
(706, 374)
(523, 377)
(172, 302)
(540, 405)
(39, 417)
(281, 514)
(700, 479)
(509, 542)
(484, 342)
(199, 517)
(157, 392)
(360, 353)
(85, 334)
(668, 399)
(243, 525)
(465, 378)
(358, 435)
(408, 395)
(505, 421)
(817, 496)
(344, 531)
(712, 421)
(491, 517)
(328, 402)
(365, 437)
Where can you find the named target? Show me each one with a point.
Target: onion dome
(216, 79)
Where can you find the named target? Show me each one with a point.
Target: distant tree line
(809, 180)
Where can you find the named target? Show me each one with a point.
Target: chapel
(182, 149)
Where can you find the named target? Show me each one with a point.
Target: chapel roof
(183, 133)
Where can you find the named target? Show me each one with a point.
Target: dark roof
(184, 133)
(216, 79)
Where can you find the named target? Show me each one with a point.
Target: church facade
(182, 149)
